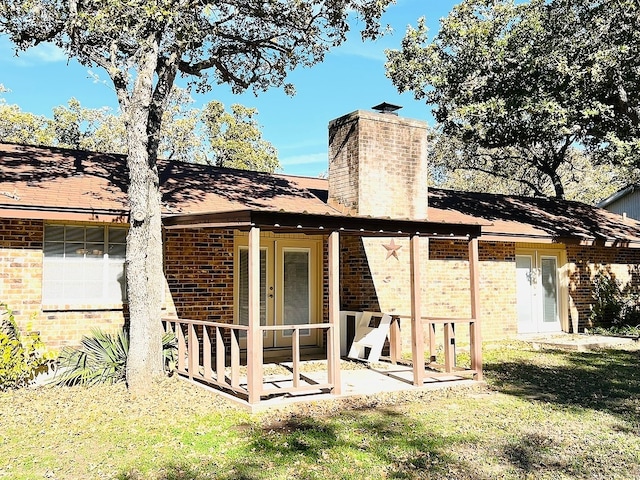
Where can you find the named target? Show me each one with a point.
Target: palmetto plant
(102, 358)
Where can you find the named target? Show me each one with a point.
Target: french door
(538, 292)
(289, 288)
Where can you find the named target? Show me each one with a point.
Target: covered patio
(232, 358)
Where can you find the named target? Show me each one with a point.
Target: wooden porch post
(333, 342)
(254, 335)
(431, 326)
(474, 329)
(417, 340)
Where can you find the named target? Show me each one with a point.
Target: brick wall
(374, 282)
(358, 291)
(21, 267)
(498, 307)
(449, 293)
(584, 262)
(66, 327)
(199, 272)
(378, 165)
(21, 289)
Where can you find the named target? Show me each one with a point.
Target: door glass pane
(549, 290)
(524, 290)
(296, 295)
(243, 287)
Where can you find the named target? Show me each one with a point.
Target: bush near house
(616, 307)
(22, 357)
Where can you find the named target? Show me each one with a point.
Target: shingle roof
(78, 185)
(537, 219)
(85, 183)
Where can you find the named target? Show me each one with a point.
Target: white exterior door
(290, 288)
(538, 292)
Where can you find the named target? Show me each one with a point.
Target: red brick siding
(61, 328)
(498, 309)
(357, 290)
(448, 285)
(370, 281)
(584, 262)
(21, 267)
(368, 151)
(21, 260)
(199, 272)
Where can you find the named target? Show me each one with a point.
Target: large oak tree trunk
(144, 241)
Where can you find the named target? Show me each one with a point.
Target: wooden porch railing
(450, 365)
(449, 331)
(210, 352)
(205, 353)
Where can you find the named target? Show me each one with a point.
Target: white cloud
(47, 52)
(307, 144)
(368, 50)
(308, 159)
(43, 53)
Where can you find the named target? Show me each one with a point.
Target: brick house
(63, 219)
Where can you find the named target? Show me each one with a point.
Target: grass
(544, 414)
(622, 330)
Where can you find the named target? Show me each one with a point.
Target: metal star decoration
(392, 249)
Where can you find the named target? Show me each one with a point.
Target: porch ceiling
(288, 222)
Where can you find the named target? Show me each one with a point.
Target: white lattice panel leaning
(372, 329)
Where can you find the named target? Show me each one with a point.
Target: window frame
(90, 254)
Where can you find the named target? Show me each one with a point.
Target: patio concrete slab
(363, 381)
(579, 342)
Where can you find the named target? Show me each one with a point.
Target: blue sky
(351, 78)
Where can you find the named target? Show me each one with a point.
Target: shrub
(613, 306)
(102, 358)
(22, 357)
(626, 330)
(607, 295)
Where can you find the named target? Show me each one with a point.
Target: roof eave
(64, 213)
(616, 196)
(288, 222)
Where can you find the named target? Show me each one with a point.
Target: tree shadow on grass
(379, 441)
(374, 443)
(353, 444)
(356, 443)
(604, 380)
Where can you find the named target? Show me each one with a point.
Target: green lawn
(544, 415)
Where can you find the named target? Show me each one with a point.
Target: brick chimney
(378, 165)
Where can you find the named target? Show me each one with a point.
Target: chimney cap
(385, 107)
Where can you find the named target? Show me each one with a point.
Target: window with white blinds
(84, 264)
